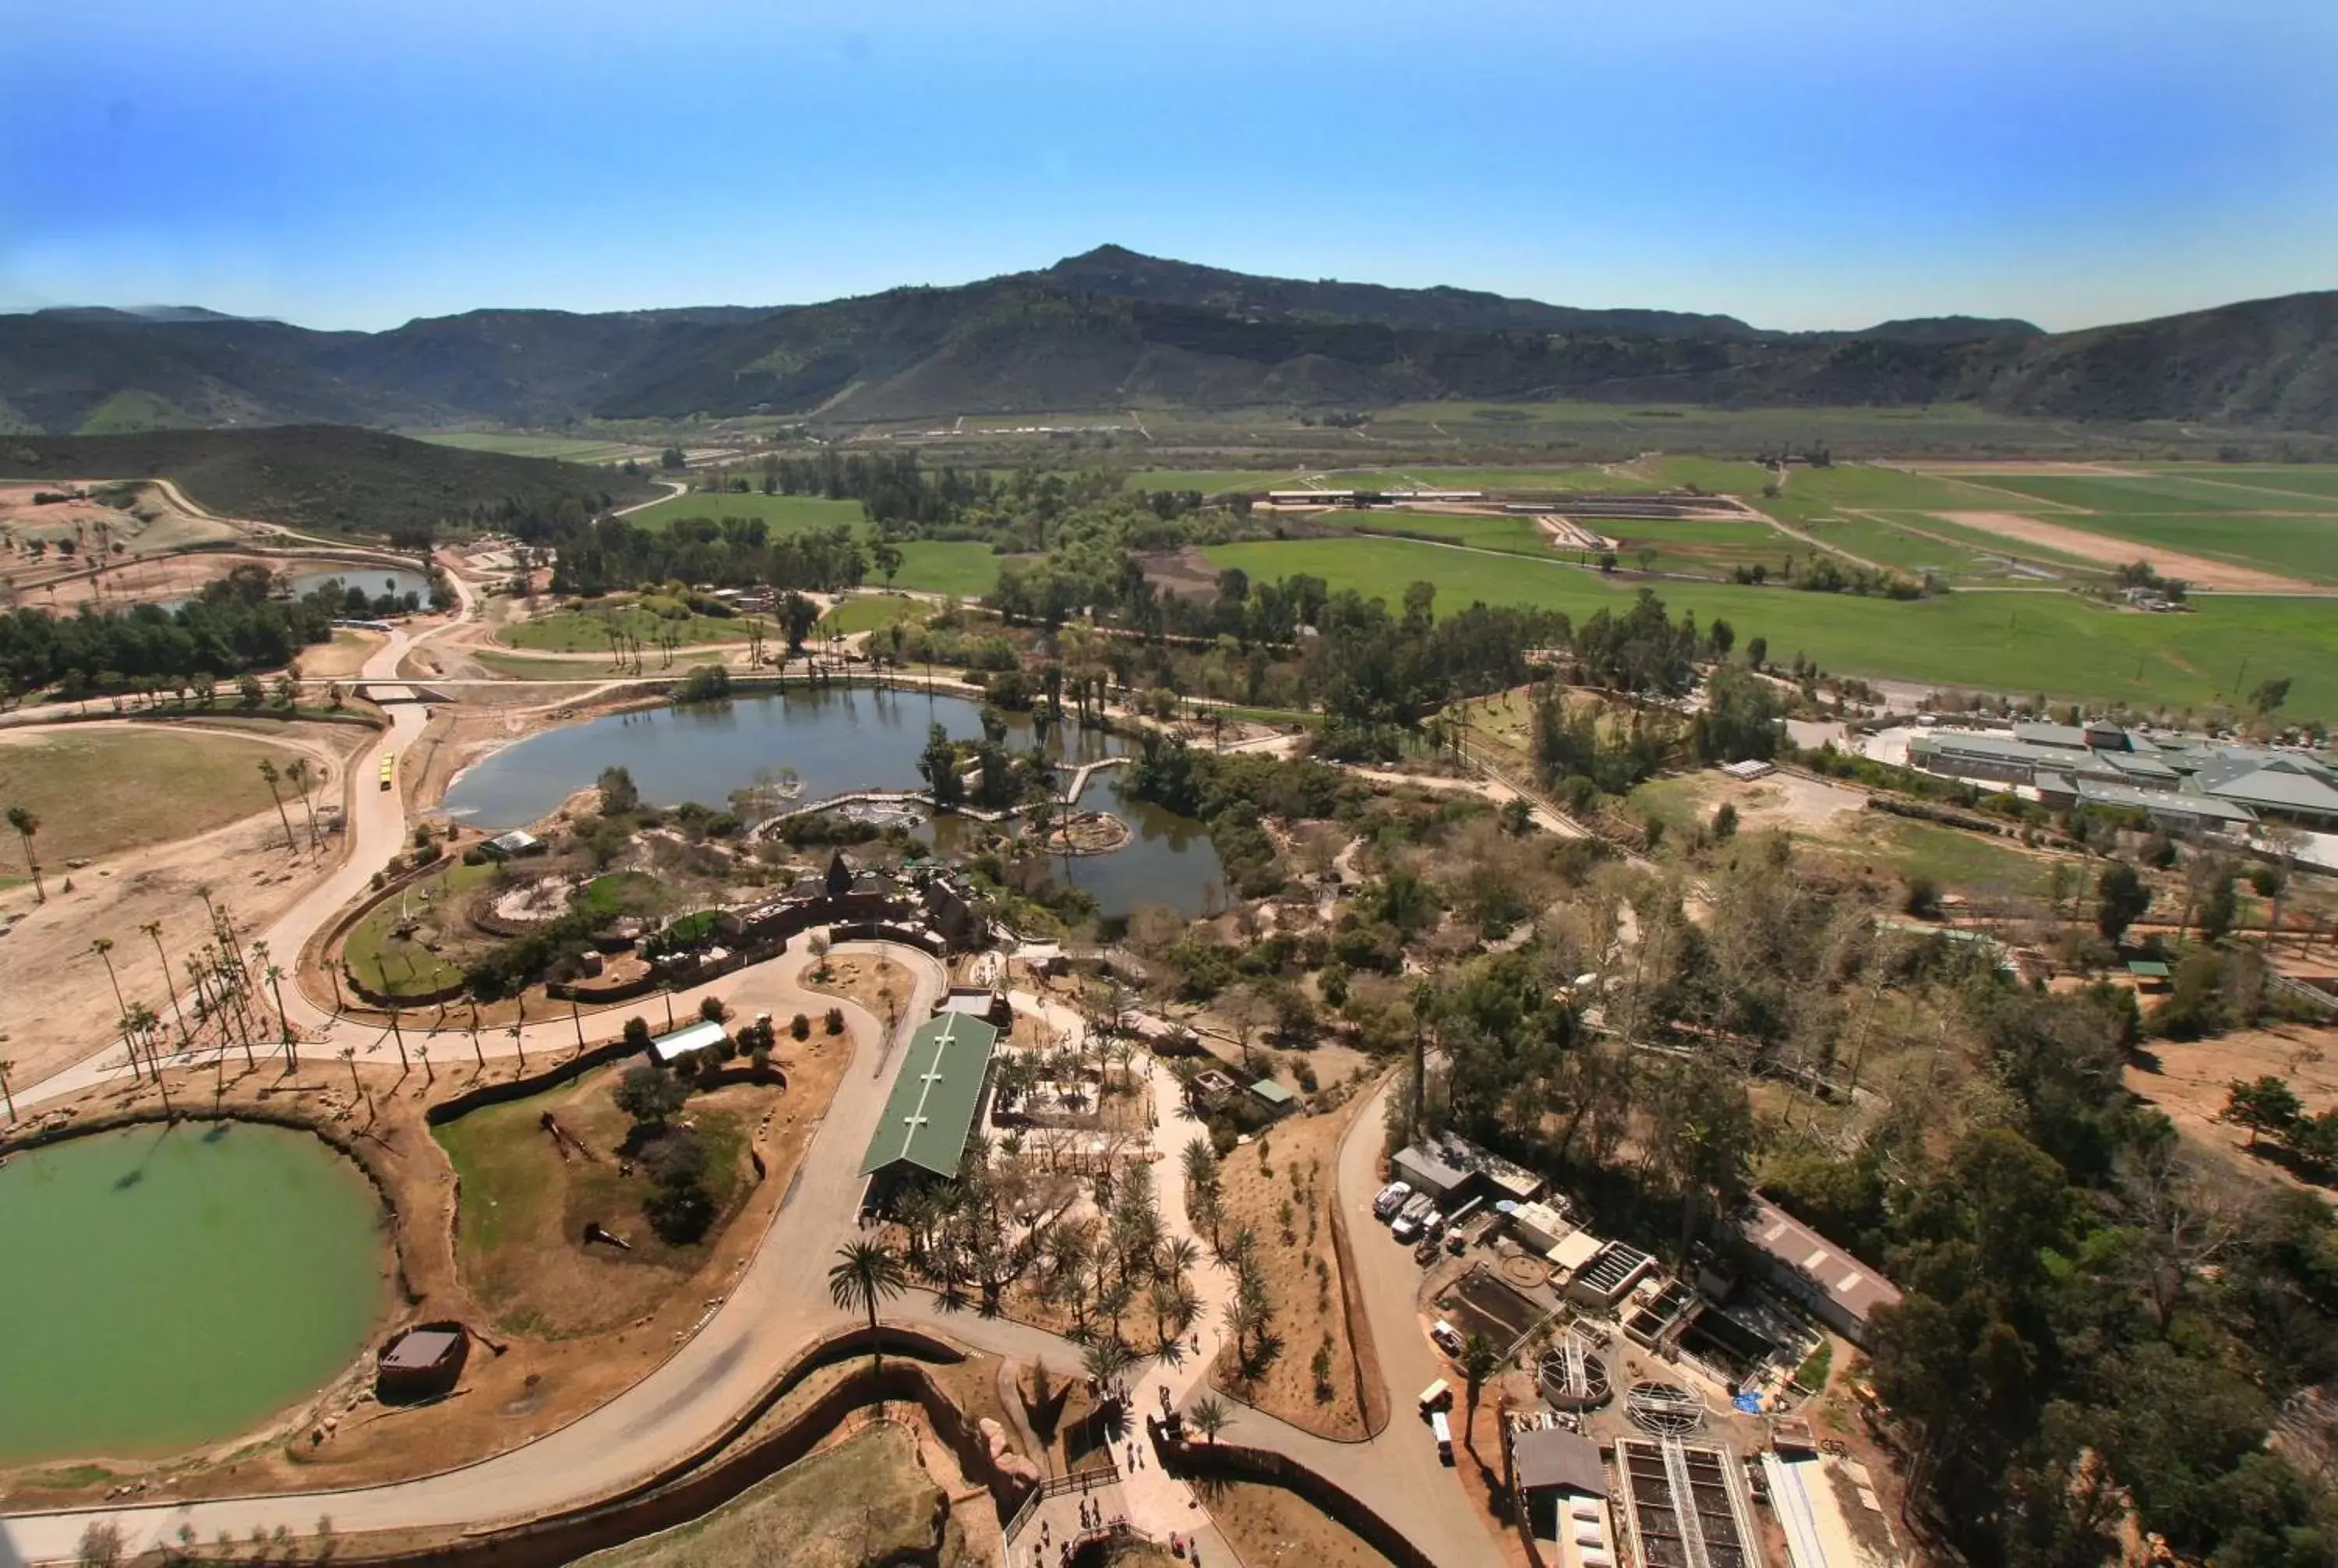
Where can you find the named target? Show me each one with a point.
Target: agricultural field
(2176, 492)
(2278, 479)
(563, 448)
(102, 792)
(2017, 642)
(782, 513)
(587, 631)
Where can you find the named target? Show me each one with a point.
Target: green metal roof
(2147, 968)
(931, 1108)
(1273, 1093)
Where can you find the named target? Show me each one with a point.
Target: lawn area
(964, 567)
(871, 612)
(2014, 642)
(587, 631)
(1952, 860)
(783, 514)
(867, 1500)
(404, 965)
(525, 1202)
(100, 792)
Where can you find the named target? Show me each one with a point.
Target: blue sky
(1799, 163)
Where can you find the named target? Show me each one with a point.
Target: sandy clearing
(2191, 1080)
(2197, 570)
(56, 1007)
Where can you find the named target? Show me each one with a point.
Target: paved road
(1398, 1473)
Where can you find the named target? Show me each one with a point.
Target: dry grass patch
(866, 1500)
(528, 1195)
(1282, 1189)
(100, 791)
(1270, 1527)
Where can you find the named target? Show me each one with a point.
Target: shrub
(650, 1095)
(836, 1020)
(710, 1010)
(800, 1028)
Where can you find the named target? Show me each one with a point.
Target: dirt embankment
(2089, 545)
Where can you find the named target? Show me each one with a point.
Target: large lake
(836, 740)
(168, 1289)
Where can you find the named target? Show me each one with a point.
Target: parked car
(1408, 1219)
(1446, 1337)
(1443, 1432)
(1392, 1199)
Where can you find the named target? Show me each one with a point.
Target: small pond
(836, 740)
(171, 1288)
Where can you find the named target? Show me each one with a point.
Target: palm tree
(348, 1053)
(103, 947)
(154, 929)
(302, 778)
(267, 772)
(1211, 1416)
(1106, 1359)
(26, 825)
(7, 1093)
(864, 1274)
(1479, 1361)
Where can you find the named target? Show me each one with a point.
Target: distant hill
(329, 478)
(1114, 329)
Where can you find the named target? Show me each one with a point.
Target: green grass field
(563, 448)
(2013, 642)
(964, 567)
(394, 965)
(871, 612)
(2158, 493)
(783, 514)
(1959, 862)
(587, 631)
(2278, 481)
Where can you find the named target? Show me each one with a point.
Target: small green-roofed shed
(1275, 1097)
(2147, 968)
(930, 1111)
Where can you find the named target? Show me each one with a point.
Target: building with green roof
(934, 1100)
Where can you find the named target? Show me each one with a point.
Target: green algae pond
(169, 1288)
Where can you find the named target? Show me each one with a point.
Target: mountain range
(1113, 328)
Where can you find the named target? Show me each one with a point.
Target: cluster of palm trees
(303, 777)
(225, 979)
